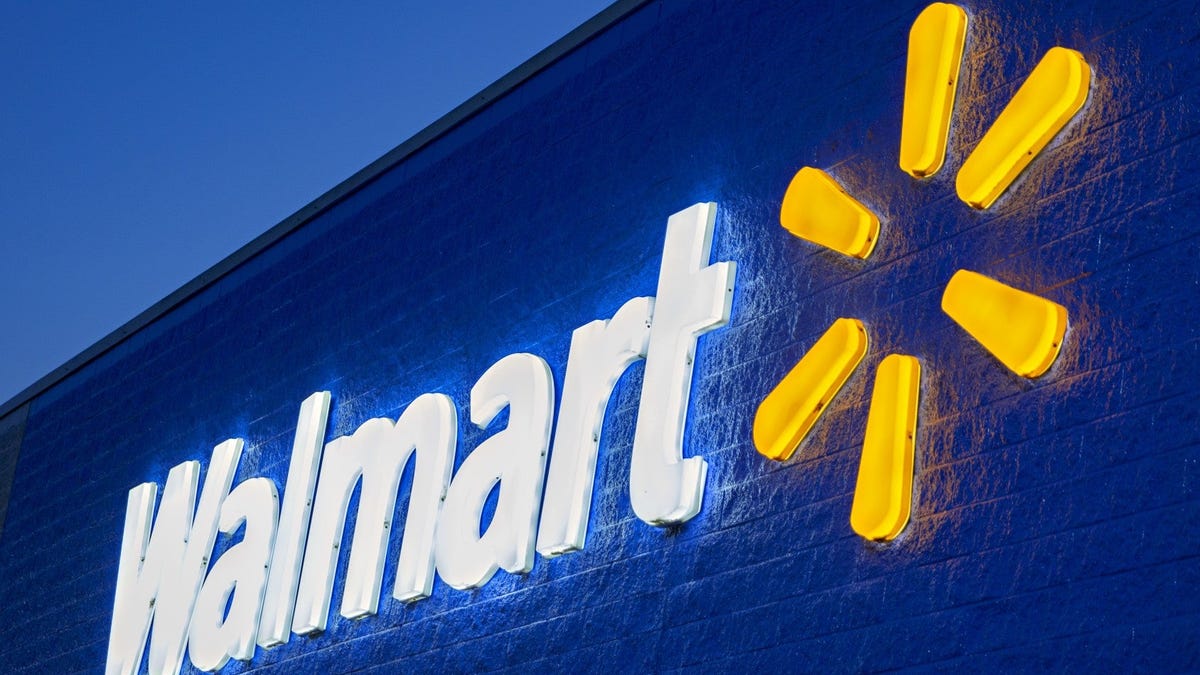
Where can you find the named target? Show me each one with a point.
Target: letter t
(694, 297)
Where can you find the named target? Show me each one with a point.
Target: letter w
(162, 566)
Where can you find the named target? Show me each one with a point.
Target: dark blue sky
(142, 144)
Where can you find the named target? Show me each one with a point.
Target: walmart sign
(279, 578)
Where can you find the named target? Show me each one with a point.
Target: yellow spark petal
(816, 208)
(1023, 330)
(1048, 99)
(935, 47)
(787, 414)
(883, 494)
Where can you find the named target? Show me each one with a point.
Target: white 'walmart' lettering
(280, 575)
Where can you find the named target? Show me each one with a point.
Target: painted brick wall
(1055, 519)
(12, 427)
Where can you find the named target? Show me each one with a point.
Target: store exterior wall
(1054, 518)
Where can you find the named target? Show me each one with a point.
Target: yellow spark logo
(1023, 331)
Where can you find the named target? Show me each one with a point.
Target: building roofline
(446, 123)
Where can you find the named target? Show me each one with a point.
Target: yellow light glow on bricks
(1048, 99)
(935, 48)
(1023, 330)
(787, 414)
(817, 209)
(883, 494)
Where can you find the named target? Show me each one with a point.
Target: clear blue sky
(141, 144)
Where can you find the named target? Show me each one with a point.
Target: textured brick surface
(1055, 520)
(12, 428)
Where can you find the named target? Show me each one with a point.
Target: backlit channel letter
(514, 457)
(693, 298)
(377, 453)
(600, 352)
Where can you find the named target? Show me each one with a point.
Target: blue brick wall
(12, 429)
(1055, 519)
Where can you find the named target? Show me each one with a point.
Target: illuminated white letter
(173, 611)
(242, 571)
(276, 625)
(377, 451)
(160, 571)
(146, 558)
(600, 352)
(516, 457)
(693, 298)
